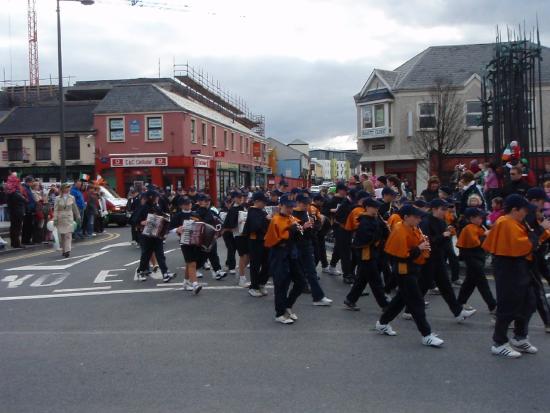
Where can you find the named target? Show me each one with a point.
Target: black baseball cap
(516, 201)
(371, 202)
(236, 194)
(184, 200)
(473, 212)
(438, 203)
(259, 196)
(411, 210)
(537, 193)
(341, 187)
(302, 198)
(388, 191)
(420, 203)
(286, 201)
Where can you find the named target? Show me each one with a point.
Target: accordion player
(156, 226)
(199, 234)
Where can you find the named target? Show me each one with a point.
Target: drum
(199, 234)
(156, 226)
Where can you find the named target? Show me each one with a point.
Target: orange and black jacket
(352, 221)
(509, 238)
(371, 232)
(394, 219)
(281, 231)
(402, 244)
(470, 239)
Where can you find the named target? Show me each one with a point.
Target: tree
(442, 126)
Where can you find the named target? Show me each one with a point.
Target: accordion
(271, 210)
(223, 215)
(199, 234)
(240, 223)
(156, 226)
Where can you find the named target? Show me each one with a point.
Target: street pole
(63, 170)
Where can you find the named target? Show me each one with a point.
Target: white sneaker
(283, 319)
(206, 266)
(384, 329)
(523, 346)
(326, 270)
(434, 291)
(218, 275)
(187, 286)
(323, 302)
(291, 315)
(255, 293)
(196, 288)
(505, 351)
(243, 282)
(263, 290)
(232, 272)
(464, 314)
(333, 271)
(200, 274)
(406, 316)
(432, 341)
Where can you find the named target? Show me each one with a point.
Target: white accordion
(198, 234)
(271, 210)
(240, 223)
(156, 226)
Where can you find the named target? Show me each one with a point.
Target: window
(43, 149)
(247, 147)
(154, 128)
(232, 141)
(473, 114)
(242, 144)
(225, 140)
(379, 119)
(193, 131)
(427, 116)
(204, 135)
(116, 129)
(72, 148)
(15, 150)
(264, 152)
(366, 112)
(213, 136)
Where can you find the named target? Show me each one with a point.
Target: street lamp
(62, 154)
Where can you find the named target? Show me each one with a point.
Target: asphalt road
(80, 335)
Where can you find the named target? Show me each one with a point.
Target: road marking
(74, 290)
(120, 244)
(84, 294)
(132, 263)
(104, 274)
(58, 267)
(17, 257)
(15, 281)
(206, 287)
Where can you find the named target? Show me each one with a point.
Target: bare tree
(442, 126)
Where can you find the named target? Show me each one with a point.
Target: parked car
(116, 207)
(315, 189)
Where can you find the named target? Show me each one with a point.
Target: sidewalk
(9, 250)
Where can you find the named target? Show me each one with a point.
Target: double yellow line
(109, 237)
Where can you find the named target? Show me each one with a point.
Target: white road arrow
(120, 244)
(79, 259)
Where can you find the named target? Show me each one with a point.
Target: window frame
(204, 132)
(37, 150)
(241, 143)
(193, 130)
(233, 146)
(213, 137)
(420, 116)
(67, 140)
(225, 140)
(110, 129)
(18, 151)
(466, 114)
(147, 136)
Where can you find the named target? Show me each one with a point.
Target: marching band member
(371, 230)
(255, 229)
(304, 244)
(283, 260)
(321, 233)
(274, 198)
(342, 238)
(237, 242)
(150, 245)
(386, 211)
(192, 254)
(330, 208)
(510, 243)
(469, 243)
(410, 248)
(208, 216)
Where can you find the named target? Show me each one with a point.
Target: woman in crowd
(66, 215)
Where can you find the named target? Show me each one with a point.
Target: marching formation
(401, 248)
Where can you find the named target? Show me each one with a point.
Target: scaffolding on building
(200, 86)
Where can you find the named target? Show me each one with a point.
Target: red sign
(201, 163)
(256, 149)
(139, 162)
(219, 154)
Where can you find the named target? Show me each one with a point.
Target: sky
(297, 62)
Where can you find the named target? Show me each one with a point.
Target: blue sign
(134, 126)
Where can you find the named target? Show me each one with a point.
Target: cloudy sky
(298, 62)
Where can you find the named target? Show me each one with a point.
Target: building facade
(293, 164)
(394, 107)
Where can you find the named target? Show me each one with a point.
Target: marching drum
(156, 226)
(199, 234)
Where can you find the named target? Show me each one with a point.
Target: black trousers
(409, 295)
(135, 233)
(16, 224)
(150, 245)
(454, 264)
(435, 270)
(543, 307)
(284, 267)
(515, 297)
(342, 244)
(214, 258)
(231, 247)
(259, 273)
(385, 267)
(475, 278)
(367, 273)
(28, 224)
(320, 248)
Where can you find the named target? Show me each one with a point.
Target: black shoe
(348, 280)
(350, 306)
(365, 293)
(168, 277)
(306, 290)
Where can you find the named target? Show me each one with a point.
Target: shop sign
(134, 126)
(219, 154)
(228, 166)
(258, 169)
(271, 181)
(201, 163)
(256, 149)
(195, 151)
(145, 161)
(245, 168)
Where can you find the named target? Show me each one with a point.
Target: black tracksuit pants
(214, 258)
(475, 278)
(409, 295)
(284, 267)
(342, 244)
(435, 270)
(150, 245)
(16, 223)
(259, 272)
(231, 246)
(367, 273)
(515, 297)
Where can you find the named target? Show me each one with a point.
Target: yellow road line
(109, 237)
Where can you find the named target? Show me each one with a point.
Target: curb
(8, 250)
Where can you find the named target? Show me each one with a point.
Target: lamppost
(62, 154)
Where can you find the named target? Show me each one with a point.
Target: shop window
(473, 114)
(193, 131)
(427, 115)
(154, 128)
(72, 148)
(15, 150)
(204, 134)
(43, 149)
(116, 129)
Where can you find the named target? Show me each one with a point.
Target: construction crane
(34, 69)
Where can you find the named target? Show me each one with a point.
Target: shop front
(48, 173)
(245, 172)
(260, 176)
(226, 177)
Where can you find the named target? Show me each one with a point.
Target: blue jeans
(90, 221)
(306, 259)
(78, 232)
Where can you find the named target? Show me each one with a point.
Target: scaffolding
(200, 86)
(22, 92)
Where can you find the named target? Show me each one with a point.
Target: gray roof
(373, 95)
(454, 64)
(284, 152)
(298, 142)
(136, 98)
(26, 120)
